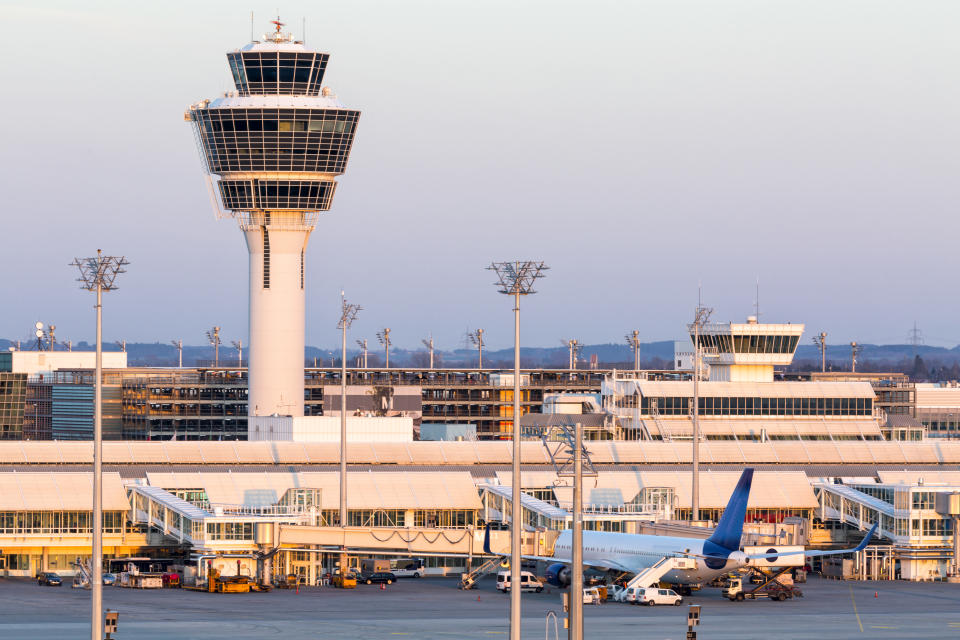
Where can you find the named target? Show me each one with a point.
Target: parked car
(528, 582)
(109, 579)
(49, 580)
(377, 577)
(616, 592)
(651, 596)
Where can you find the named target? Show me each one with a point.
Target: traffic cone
(478, 598)
(876, 594)
(383, 587)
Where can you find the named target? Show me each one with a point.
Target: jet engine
(558, 575)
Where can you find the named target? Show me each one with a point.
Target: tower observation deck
(275, 146)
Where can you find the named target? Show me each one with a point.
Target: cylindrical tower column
(277, 245)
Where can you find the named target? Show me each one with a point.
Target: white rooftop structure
(327, 429)
(35, 363)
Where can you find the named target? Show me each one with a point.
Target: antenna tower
(574, 347)
(855, 350)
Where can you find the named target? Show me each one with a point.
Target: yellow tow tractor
(232, 584)
(345, 581)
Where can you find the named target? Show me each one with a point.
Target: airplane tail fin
(730, 528)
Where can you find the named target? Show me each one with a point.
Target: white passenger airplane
(673, 559)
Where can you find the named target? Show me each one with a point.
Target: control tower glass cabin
(275, 147)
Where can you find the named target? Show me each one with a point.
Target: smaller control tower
(275, 146)
(748, 351)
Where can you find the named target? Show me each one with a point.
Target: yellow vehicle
(348, 581)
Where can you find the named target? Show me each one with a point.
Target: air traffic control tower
(274, 147)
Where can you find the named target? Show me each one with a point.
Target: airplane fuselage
(636, 552)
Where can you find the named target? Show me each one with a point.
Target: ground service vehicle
(378, 577)
(591, 595)
(49, 580)
(109, 579)
(652, 596)
(632, 595)
(773, 590)
(528, 582)
(345, 581)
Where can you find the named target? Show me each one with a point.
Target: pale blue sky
(637, 147)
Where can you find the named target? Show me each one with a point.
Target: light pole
(634, 342)
(476, 337)
(516, 279)
(821, 342)
(214, 337)
(363, 346)
(384, 338)
(348, 313)
(179, 345)
(238, 345)
(700, 318)
(98, 274)
(429, 345)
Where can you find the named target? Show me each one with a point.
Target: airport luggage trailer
(772, 589)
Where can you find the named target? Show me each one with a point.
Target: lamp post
(348, 313)
(98, 274)
(516, 279)
(700, 318)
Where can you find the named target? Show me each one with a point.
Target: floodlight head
(517, 278)
(348, 313)
(39, 325)
(99, 272)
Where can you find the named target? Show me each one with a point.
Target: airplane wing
(829, 552)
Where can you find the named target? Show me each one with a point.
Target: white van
(528, 582)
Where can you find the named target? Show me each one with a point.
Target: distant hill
(653, 355)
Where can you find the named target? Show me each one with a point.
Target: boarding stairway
(651, 575)
(469, 580)
(81, 580)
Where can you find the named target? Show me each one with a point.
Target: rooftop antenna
(429, 345)
(756, 303)
(39, 334)
(574, 346)
(252, 37)
(476, 337)
(51, 338)
(122, 344)
(304, 31)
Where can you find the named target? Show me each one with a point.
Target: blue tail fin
(730, 528)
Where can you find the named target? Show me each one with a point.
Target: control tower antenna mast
(275, 147)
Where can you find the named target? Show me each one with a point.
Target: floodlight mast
(213, 336)
(476, 337)
(363, 346)
(429, 345)
(348, 313)
(179, 345)
(516, 279)
(238, 345)
(634, 342)
(384, 338)
(98, 274)
(701, 317)
(821, 343)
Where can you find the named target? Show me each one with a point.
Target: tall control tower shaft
(275, 147)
